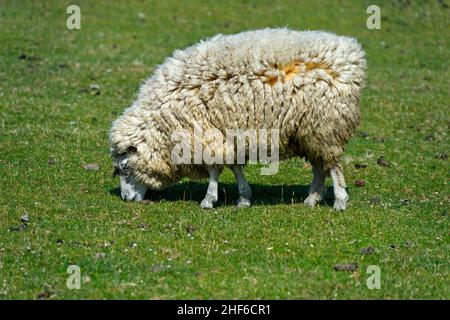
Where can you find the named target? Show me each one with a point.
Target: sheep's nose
(128, 197)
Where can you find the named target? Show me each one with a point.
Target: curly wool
(306, 84)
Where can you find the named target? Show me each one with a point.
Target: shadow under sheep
(228, 194)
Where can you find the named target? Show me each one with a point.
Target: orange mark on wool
(291, 70)
(322, 65)
(271, 81)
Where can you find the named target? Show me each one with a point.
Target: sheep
(305, 84)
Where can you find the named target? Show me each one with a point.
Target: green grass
(172, 249)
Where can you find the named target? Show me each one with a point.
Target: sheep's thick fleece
(306, 84)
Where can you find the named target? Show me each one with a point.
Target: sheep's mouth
(130, 189)
(127, 197)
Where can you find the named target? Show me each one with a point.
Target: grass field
(60, 90)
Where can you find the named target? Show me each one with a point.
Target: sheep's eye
(123, 165)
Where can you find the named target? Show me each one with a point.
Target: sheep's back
(306, 84)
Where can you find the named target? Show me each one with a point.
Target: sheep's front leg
(340, 194)
(212, 193)
(245, 192)
(317, 188)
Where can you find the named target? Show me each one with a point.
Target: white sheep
(304, 84)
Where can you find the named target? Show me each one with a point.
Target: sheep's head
(130, 188)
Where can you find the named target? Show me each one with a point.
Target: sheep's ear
(131, 149)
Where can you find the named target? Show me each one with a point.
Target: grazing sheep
(305, 84)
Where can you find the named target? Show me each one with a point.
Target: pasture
(60, 90)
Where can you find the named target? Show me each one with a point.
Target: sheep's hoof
(243, 202)
(206, 204)
(312, 200)
(340, 205)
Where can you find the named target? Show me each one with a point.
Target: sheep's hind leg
(245, 192)
(212, 193)
(317, 188)
(340, 194)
